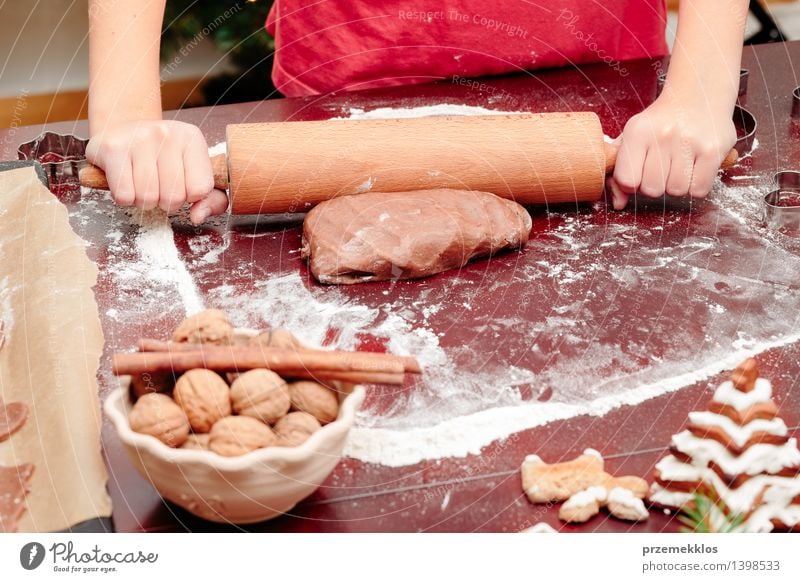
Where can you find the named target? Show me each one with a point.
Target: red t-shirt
(329, 45)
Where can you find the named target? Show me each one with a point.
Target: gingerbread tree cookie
(737, 452)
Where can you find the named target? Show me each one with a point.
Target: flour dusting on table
(156, 272)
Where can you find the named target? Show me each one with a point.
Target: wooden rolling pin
(291, 166)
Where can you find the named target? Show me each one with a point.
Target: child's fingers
(705, 170)
(198, 173)
(215, 203)
(619, 199)
(655, 172)
(171, 187)
(145, 177)
(119, 175)
(680, 172)
(630, 161)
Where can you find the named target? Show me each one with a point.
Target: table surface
(600, 304)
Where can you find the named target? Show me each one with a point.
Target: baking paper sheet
(51, 356)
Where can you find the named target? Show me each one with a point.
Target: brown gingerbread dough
(12, 417)
(13, 488)
(407, 235)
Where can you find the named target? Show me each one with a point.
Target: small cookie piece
(540, 527)
(318, 400)
(544, 482)
(197, 442)
(295, 428)
(636, 485)
(260, 394)
(204, 396)
(757, 411)
(583, 505)
(207, 327)
(237, 435)
(623, 504)
(159, 416)
(744, 376)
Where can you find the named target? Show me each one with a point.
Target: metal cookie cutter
(61, 156)
(796, 103)
(782, 205)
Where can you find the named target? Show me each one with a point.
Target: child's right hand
(162, 164)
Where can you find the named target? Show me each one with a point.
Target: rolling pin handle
(612, 149)
(93, 177)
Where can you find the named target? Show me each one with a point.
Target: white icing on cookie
(540, 527)
(759, 458)
(595, 494)
(739, 434)
(593, 453)
(622, 503)
(671, 469)
(728, 394)
(667, 497)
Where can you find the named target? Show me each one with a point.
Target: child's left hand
(673, 147)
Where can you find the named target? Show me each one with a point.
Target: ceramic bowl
(254, 487)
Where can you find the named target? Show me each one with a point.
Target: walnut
(204, 397)
(236, 435)
(207, 327)
(318, 400)
(158, 415)
(261, 394)
(197, 442)
(277, 338)
(295, 428)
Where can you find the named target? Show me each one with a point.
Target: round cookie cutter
(796, 103)
(782, 205)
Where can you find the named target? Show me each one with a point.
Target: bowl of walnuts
(233, 447)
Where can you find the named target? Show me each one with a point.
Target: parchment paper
(51, 356)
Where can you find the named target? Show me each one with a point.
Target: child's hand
(673, 147)
(163, 164)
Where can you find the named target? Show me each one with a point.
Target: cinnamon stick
(358, 367)
(410, 363)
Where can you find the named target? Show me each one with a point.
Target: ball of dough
(260, 394)
(159, 416)
(207, 327)
(318, 400)
(295, 428)
(204, 396)
(236, 435)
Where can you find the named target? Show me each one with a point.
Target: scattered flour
(157, 262)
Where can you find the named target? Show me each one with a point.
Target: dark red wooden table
(599, 303)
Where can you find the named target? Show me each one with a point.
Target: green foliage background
(241, 35)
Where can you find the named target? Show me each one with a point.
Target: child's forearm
(707, 55)
(124, 79)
